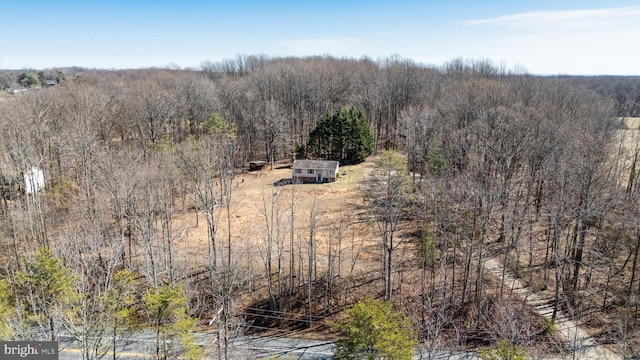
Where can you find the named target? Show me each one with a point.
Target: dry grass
(632, 123)
(627, 141)
(340, 202)
(342, 224)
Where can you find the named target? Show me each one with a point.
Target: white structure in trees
(33, 180)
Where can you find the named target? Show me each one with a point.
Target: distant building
(33, 180)
(257, 165)
(318, 171)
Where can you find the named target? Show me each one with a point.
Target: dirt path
(586, 346)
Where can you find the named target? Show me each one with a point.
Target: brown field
(343, 225)
(627, 141)
(342, 222)
(252, 191)
(632, 123)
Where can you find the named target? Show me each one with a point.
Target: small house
(318, 171)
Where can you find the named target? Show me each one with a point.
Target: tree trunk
(635, 261)
(577, 260)
(389, 250)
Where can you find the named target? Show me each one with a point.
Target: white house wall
(33, 180)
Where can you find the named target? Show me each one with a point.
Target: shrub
(503, 350)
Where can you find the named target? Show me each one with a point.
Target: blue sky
(543, 37)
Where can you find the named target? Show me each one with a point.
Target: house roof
(315, 164)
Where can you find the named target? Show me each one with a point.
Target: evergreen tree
(45, 293)
(218, 126)
(119, 305)
(389, 191)
(375, 330)
(7, 311)
(28, 79)
(166, 307)
(503, 350)
(343, 136)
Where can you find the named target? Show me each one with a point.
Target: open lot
(258, 207)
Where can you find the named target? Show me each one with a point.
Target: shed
(318, 171)
(256, 165)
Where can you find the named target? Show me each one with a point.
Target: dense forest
(539, 173)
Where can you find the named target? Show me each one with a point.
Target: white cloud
(582, 18)
(315, 46)
(587, 41)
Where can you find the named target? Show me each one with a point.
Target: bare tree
(198, 162)
(197, 102)
(388, 194)
(273, 216)
(153, 104)
(312, 270)
(504, 320)
(117, 185)
(99, 307)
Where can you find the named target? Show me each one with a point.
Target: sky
(543, 37)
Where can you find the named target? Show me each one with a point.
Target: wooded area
(472, 162)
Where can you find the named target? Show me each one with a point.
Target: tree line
(475, 161)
